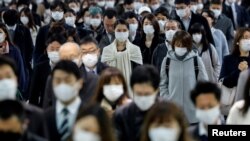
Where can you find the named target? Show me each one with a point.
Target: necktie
(64, 126)
(231, 16)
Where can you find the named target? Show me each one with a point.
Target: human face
(153, 2)
(88, 123)
(115, 81)
(68, 14)
(144, 89)
(209, 19)
(12, 124)
(121, 28)
(109, 24)
(215, 7)
(73, 5)
(61, 76)
(182, 7)
(206, 101)
(69, 54)
(246, 35)
(54, 46)
(161, 17)
(171, 123)
(129, 7)
(97, 16)
(132, 21)
(89, 48)
(147, 22)
(6, 72)
(171, 26)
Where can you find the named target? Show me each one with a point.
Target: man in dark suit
(71, 51)
(206, 98)
(67, 82)
(188, 18)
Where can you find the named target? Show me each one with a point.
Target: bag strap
(167, 66)
(196, 67)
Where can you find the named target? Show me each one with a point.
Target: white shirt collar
(73, 107)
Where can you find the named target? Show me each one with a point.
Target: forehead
(206, 97)
(172, 24)
(121, 26)
(143, 87)
(62, 74)
(88, 46)
(5, 69)
(246, 34)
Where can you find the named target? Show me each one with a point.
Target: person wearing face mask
(112, 91)
(222, 22)
(43, 69)
(70, 18)
(206, 98)
(150, 37)
(71, 51)
(206, 51)
(138, 4)
(154, 4)
(13, 122)
(66, 83)
(165, 122)
(235, 63)
(219, 38)
(162, 17)
(108, 35)
(109, 4)
(161, 50)
(187, 18)
(194, 6)
(129, 118)
(181, 69)
(200, 7)
(74, 5)
(90, 53)
(92, 124)
(128, 6)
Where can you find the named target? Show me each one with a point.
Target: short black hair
(56, 37)
(58, 3)
(70, 11)
(209, 13)
(163, 11)
(4, 60)
(23, 2)
(88, 39)
(9, 108)
(145, 74)
(216, 2)
(128, 2)
(187, 2)
(110, 13)
(11, 17)
(203, 88)
(69, 67)
(130, 15)
(121, 21)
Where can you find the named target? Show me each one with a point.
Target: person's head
(216, 7)
(150, 25)
(23, 4)
(72, 35)
(182, 42)
(109, 19)
(86, 16)
(101, 3)
(8, 78)
(10, 17)
(144, 10)
(171, 27)
(112, 86)
(133, 21)
(93, 123)
(206, 98)
(209, 15)
(57, 10)
(138, 4)
(54, 43)
(182, 8)
(128, 5)
(13, 123)
(70, 17)
(121, 30)
(145, 82)
(110, 3)
(241, 41)
(90, 52)
(194, 5)
(198, 34)
(162, 16)
(74, 5)
(154, 4)
(165, 121)
(66, 81)
(4, 34)
(70, 51)
(26, 18)
(95, 16)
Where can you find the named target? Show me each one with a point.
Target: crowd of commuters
(122, 70)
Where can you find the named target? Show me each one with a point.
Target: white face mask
(90, 60)
(193, 8)
(200, 6)
(101, 3)
(8, 89)
(197, 38)
(161, 24)
(155, 6)
(170, 34)
(181, 12)
(95, 22)
(144, 103)
(164, 134)
(57, 16)
(133, 28)
(208, 116)
(2, 37)
(70, 21)
(82, 135)
(110, 4)
(148, 29)
(121, 36)
(54, 56)
(24, 20)
(216, 12)
(138, 5)
(113, 92)
(180, 51)
(171, 2)
(65, 92)
(245, 44)
(87, 20)
(76, 9)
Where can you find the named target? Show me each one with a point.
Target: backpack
(196, 67)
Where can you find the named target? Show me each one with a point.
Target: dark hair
(56, 37)
(199, 28)
(238, 36)
(72, 1)
(210, 14)
(128, 2)
(155, 24)
(4, 60)
(130, 15)
(23, 2)
(246, 105)
(204, 88)
(106, 130)
(29, 14)
(9, 108)
(105, 79)
(58, 3)
(110, 13)
(70, 11)
(184, 38)
(69, 67)
(187, 2)
(72, 32)
(145, 74)
(8, 38)
(121, 21)
(10, 17)
(164, 112)
(163, 11)
(88, 39)
(216, 2)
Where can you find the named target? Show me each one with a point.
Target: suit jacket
(159, 54)
(32, 137)
(101, 67)
(86, 93)
(105, 40)
(83, 32)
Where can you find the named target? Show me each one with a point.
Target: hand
(243, 65)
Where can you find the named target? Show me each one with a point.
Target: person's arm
(164, 92)
(241, 85)
(216, 63)
(202, 75)
(225, 48)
